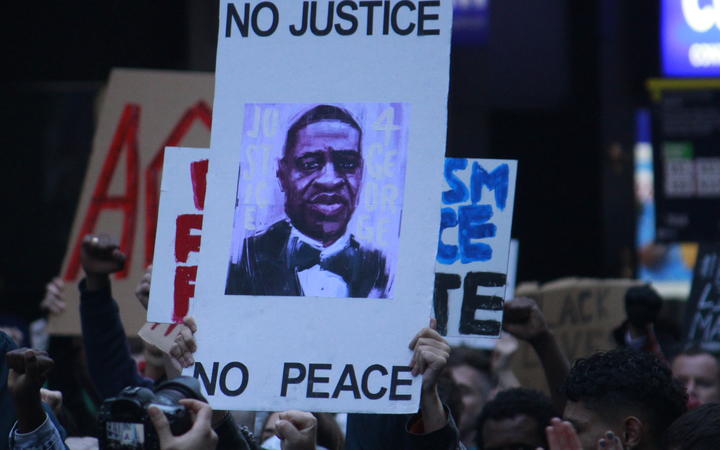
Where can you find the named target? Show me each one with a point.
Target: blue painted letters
(473, 225)
(497, 181)
(458, 192)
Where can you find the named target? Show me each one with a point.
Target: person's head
(699, 372)
(642, 305)
(629, 392)
(471, 371)
(321, 171)
(698, 429)
(515, 419)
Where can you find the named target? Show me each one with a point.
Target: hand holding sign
(100, 256)
(430, 356)
(431, 352)
(184, 345)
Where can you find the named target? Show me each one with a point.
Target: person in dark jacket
(110, 364)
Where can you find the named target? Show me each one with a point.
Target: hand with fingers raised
(562, 436)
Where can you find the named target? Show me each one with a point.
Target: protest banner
(142, 113)
(471, 271)
(315, 271)
(580, 312)
(177, 244)
(702, 314)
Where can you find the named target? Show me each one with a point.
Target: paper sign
(315, 270)
(473, 248)
(142, 113)
(581, 313)
(177, 244)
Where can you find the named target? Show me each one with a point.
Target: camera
(124, 422)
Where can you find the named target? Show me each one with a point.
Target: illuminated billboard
(690, 38)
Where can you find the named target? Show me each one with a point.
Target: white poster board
(177, 242)
(474, 249)
(331, 134)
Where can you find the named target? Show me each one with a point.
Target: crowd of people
(649, 393)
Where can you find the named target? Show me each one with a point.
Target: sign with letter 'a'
(319, 230)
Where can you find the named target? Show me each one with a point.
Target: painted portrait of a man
(311, 250)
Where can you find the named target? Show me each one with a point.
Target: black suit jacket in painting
(265, 268)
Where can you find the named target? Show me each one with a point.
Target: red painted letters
(125, 137)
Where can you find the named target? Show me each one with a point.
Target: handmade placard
(471, 276)
(177, 244)
(315, 270)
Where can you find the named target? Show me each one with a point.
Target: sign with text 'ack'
(315, 270)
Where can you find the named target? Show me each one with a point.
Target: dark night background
(555, 85)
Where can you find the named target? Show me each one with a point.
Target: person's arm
(34, 427)
(430, 355)
(110, 364)
(524, 320)
(433, 427)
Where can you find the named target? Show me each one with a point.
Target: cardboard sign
(473, 248)
(161, 335)
(581, 313)
(177, 244)
(703, 310)
(315, 271)
(142, 113)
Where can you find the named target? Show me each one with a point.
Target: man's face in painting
(321, 177)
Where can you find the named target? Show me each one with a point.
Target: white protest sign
(177, 242)
(328, 131)
(473, 249)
